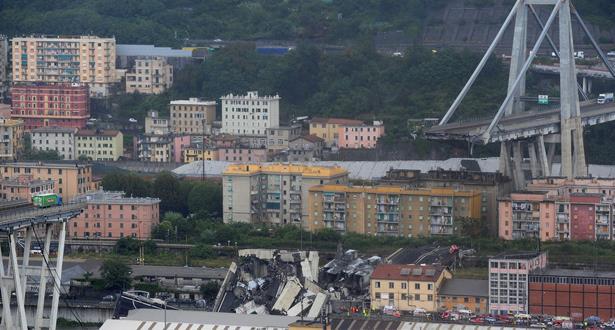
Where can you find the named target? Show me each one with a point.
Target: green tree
(210, 290)
(130, 183)
(166, 187)
(115, 274)
(127, 246)
(206, 198)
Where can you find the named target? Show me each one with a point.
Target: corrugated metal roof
(364, 170)
(150, 50)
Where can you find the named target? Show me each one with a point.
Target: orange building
(465, 294)
(23, 187)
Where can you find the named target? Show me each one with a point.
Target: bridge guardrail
(10, 216)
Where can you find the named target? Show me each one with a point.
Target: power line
(55, 284)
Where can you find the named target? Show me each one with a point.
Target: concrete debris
(290, 282)
(348, 274)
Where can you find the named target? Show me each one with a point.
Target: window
(404, 285)
(391, 285)
(404, 296)
(429, 297)
(377, 295)
(429, 286)
(417, 286)
(417, 297)
(377, 285)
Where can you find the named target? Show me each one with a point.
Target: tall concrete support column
(21, 309)
(534, 168)
(519, 56)
(505, 161)
(570, 108)
(5, 290)
(545, 165)
(25, 260)
(42, 284)
(518, 176)
(585, 85)
(57, 274)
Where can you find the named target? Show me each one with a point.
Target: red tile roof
(427, 273)
(338, 121)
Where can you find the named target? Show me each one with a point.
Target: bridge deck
(23, 217)
(523, 125)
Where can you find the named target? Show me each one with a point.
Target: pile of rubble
(287, 283)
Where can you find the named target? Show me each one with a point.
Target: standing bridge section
(533, 134)
(31, 221)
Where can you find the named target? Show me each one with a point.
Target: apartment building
(492, 187)
(69, 180)
(51, 105)
(66, 59)
(407, 287)
(509, 281)
(24, 187)
(111, 215)
(154, 148)
(196, 152)
(11, 138)
(4, 65)
(193, 116)
(560, 209)
(150, 75)
(243, 154)
(305, 148)
(156, 125)
(249, 114)
(60, 139)
(465, 294)
(347, 133)
(390, 210)
(275, 194)
(279, 137)
(575, 293)
(101, 145)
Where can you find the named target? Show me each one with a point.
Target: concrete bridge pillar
(587, 85)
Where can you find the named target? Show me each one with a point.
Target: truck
(605, 98)
(46, 200)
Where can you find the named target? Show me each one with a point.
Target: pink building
(527, 215)
(179, 142)
(241, 154)
(360, 136)
(23, 187)
(110, 215)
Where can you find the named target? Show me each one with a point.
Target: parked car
(109, 298)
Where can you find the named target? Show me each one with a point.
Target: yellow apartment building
(11, 136)
(151, 75)
(274, 194)
(102, 145)
(69, 59)
(390, 210)
(192, 116)
(195, 153)
(407, 287)
(69, 180)
(328, 128)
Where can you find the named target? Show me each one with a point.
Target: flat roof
(150, 50)
(66, 165)
(465, 287)
(304, 170)
(574, 273)
(169, 271)
(210, 318)
(518, 255)
(54, 129)
(388, 189)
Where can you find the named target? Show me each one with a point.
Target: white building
(156, 125)
(60, 139)
(249, 114)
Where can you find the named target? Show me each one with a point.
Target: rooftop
(62, 165)
(60, 37)
(93, 132)
(54, 129)
(150, 50)
(10, 122)
(184, 272)
(311, 138)
(115, 197)
(419, 273)
(208, 318)
(392, 190)
(251, 95)
(192, 101)
(19, 182)
(338, 121)
(465, 287)
(573, 273)
(304, 170)
(517, 255)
